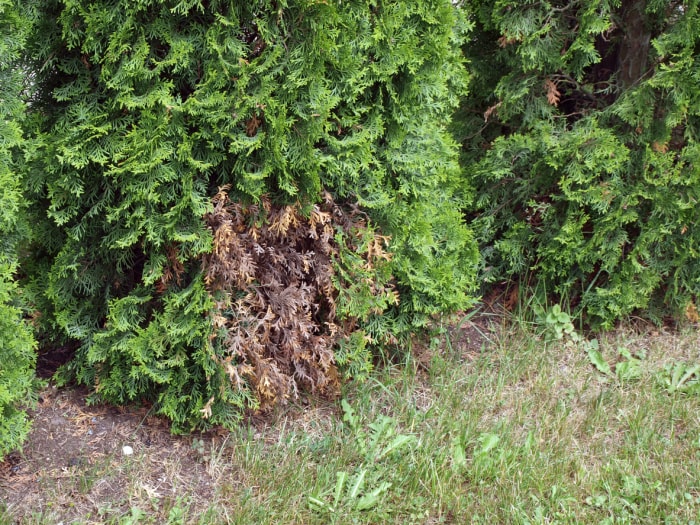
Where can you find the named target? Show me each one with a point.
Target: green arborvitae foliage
(581, 139)
(17, 346)
(142, 110)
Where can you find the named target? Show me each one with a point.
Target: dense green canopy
(581, 140)
(17, 347)
(217, 204)
(282, 112)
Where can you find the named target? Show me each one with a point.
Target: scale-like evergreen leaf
(141, 111)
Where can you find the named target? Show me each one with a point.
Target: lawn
(492, 421)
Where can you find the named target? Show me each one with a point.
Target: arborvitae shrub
(17, 346)
(18, 358)
(142, 111)
(581, 136)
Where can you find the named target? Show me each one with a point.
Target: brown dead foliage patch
(271, 274)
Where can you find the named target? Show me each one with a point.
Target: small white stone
(127, 450)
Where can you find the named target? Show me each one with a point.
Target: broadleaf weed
(626, 368)
(363, 489)
(681, 377)
(557, 323)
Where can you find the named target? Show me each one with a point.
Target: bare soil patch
(73, 467)
(73, 463)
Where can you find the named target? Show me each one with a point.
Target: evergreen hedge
(17, 345)
(233, 201)
(223, 192)
(581, 139)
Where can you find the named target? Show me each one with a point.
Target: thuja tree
(581, 132)
(235, 200)
(17, 347)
